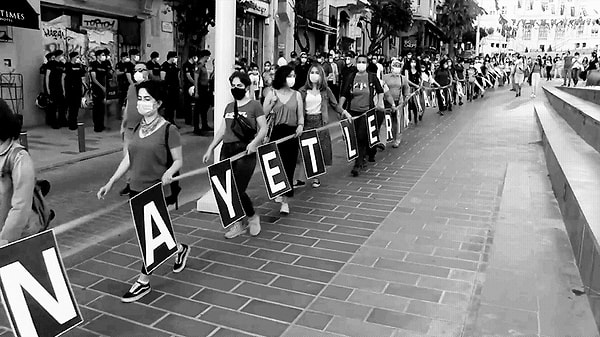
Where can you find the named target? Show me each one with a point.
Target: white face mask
(290, 81)
(136, 58)
(361, 67)
(138, 77)
(314, 78)
(145, 107)
(396, 70)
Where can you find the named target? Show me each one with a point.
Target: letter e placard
(226, 194)
(273, 173)
(349, 135)
(312, 154)
(372, 130)
(153, 226)
(33, 265)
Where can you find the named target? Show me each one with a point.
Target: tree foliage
(384, 19)
(302, 9)
(471, 35)
(457, 17)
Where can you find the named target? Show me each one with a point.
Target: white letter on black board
(372, 127)
(388, 127)
(151, 213)
(271, 172)
(310, 144)
(349, 135)
(226, 193)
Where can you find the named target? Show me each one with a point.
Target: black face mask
(238, 93)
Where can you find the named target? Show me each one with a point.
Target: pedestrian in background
(536, 75)
(99, 73)
(256, 80)
(153, 66)
(548, 63)
(55, 75)
(124, 71)
(147, 160)
(267, 80)
(519, 71)
(74, 74)
(202, 94)
(188, 71)
(169, 74)
(243, 168)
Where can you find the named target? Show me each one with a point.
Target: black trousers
(362, 138)
(201, 109)
(73, 104)
(99, 110)
(171, 102)
(187, 111)
(56, 113)
(288, 151)
(446, 102)
(243, 169)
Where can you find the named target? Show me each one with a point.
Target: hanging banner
(349, 135)
(226, 194)
(33, 266)
(373, 132)
(54, 37)
(388, 127)
(312, 154)
(273, 173)
(153, 227)
(76, 42)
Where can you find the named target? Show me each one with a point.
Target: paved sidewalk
(406, 249)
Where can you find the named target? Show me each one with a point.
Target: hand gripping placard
(226, 193)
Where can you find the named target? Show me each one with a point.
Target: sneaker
(236, 230)
(380, 146)
(396, 144)
(371, 159)
(279, 199)
(285, 208)
(316, 183)
(254, 225)
(181, 258)
(137, 291)
(354, 172)
(299, 183)
(125, 191)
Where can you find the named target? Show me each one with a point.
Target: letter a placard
(153, 227)
(349, 135)
(33, 265)
(372, 130)
(273, 173)
(312, 154)
(226, 194)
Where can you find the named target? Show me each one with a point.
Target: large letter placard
(388, 127)
(276, 180)
(226, 194)
(33, 265)
(373, 132)
(312, 154)
(153, 227)
(349, 135)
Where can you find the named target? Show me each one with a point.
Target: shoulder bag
(241, 126)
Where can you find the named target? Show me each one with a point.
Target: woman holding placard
(317, 98)
(153, 155)
(286, 107)
(235, 142)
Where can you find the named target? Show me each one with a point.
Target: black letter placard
(349, 135)
(312, 154)
(373, 132)
(153, 227)
(226, 194)
(33, 265)
(273, 173)
(388, 127)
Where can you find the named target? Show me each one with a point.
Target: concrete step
(574, 168)
(590, 94)
(583, 116)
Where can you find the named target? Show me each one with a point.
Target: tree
(384, 19)
(456, 18)
(471, 35)
(303, 11)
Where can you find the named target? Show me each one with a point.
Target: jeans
(362, 140)
(171, 103)
(288, 151)
(243, 169)
(575, 75)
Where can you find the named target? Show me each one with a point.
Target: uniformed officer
(74, 73)
(99, 73)
(55, 79)
(153, 66)
(124, 72)
(189, 70)
(169, 74)
(202, 94)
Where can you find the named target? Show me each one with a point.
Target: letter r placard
(273, 173)
(153, 227)
(226, 193)
(33, 265)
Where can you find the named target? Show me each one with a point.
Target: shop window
(248, 39)
(527, 33)
(543, 33)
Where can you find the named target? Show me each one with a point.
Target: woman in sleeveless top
(286, 107)
(519, 75)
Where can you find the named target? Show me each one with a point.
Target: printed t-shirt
(250, 110)
(360, 93)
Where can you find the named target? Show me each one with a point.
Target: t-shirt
(398, 85)
(568, 61)
(57, 69)
(203, 78)
(360, 93)
(188, 68)
(74, 73)
(442, 76)
(171, 73)
(148, 156)
(460, 71)
(153, 68)
(256, 82)
(126, 68)
(101, 72)
(250, 110)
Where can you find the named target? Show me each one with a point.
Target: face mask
(304, 59)
(145, 107)
(138, 77)
(396, 70)
(361, 67)
(267, 68)
(102, 58)
(238, 93)
(136, 58)
(348, 62)
(127, 59)
(77, 61)
(314, 78)
(175, 60)
(331, 60)
(290, 81)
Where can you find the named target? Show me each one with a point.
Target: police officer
(99, 73)
(202, 95)
(124, 71)
(189, 69)
(169, 74)
(153, 66)
(74, 73)
(55, 74)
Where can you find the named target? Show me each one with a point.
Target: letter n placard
(33, 266)
(153, 227)
(226, 194)
(273, 173)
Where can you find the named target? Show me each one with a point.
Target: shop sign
(18, 14)
(260, 8)
(99, 23)
(410, 43)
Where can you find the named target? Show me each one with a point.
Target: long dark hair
(281, 74)
(10, 125)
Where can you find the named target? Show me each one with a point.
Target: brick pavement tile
(352, 231)
(319, 253)
(337, 292)
(220, 298)
(376, 242)
(409, 291)
(300, 272)
(76, 332)
(420, 232)
(244, 322)
(271, 310)
(383, 252)
(350, 223)
(315, 263)
(88, 314)
(275, 256)
(173, 285)
(180, 306)
(301, 216)
(312, 205)
(300, 331)
(458, 300)
(354, 194)
(504, 321)
(200, 216)
(240, 273)
(441, 261)
(197, 264)
(442, 243)
(210, 234)
(226, 247)
(266, 243)
(132, 311)
(222, 332)
(472, 247)
(384, 195)
(436, 310)
(364, 211)
(333, 214)
(314, 320)
(374, 199)
(299, 240)
(368, 218)
(207, 280)
(462, 275)
(399, 320)
(82, 278)
(287, 229)
(378, 207)
(128, 249)
(358, 282)
(464, 210)
(354, 239)
(306, 224)
(410, 267)
(457, 254)
(469, 224)
(84, 296)
(445, 284)
(185, 326)
(358, 328)
(364, 260)
(445, 328)
(182, 229)
(299, 285)
(340, 308)
(243, 261)
(378, 300)
(381, 274)
(274, 294)
(338, 246)
(107, 270)
(116, 258)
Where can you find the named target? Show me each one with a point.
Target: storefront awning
(18, 13)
